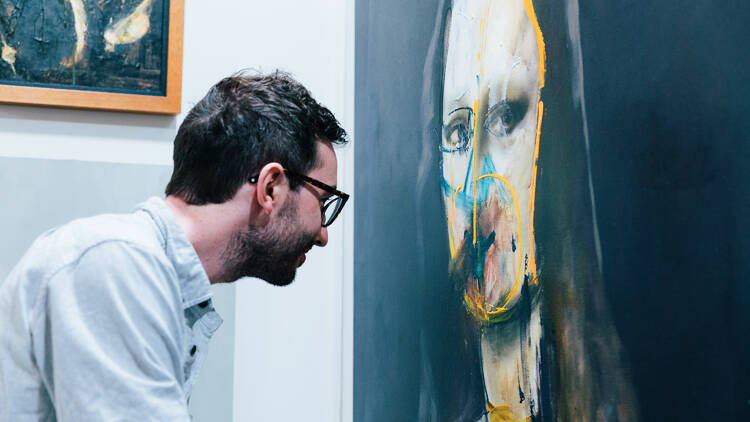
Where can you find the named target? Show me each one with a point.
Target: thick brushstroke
(80, 44)
(80, 26)
(8, 54)
(130, 28)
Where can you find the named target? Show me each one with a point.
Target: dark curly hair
(244, 122)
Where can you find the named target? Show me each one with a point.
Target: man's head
(243, 123)
(273, 251)
(252, 141)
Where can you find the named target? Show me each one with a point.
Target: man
(108, 317)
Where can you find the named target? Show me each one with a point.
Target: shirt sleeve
(112, 332)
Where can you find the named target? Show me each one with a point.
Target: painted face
(489, 146)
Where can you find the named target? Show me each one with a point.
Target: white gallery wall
(283, 353)
(289, 341)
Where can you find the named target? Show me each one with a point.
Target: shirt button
(193, 350)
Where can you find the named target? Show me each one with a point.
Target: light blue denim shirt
(105, 319)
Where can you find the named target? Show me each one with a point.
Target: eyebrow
(463, 94)
(325, 194)
(456, 102)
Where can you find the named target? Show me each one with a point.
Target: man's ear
(272, 187)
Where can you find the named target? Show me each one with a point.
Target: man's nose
(322, 238)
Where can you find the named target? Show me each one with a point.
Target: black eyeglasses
(331, 207)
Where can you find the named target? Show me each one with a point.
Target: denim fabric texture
(105, 318)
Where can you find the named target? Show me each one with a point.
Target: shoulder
(80, 236)
(124, 250)
(116, 272)
(65, 245)
(114, 285)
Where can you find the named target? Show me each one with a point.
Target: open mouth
(303, 257)
(489, 263)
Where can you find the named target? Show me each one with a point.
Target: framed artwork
(123, 55)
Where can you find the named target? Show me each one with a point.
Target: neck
(510, 356)
(210, 228)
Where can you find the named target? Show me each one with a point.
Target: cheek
(312, 218)
(305, 218)
(457, 176)
(515, 161)
(455, 167)
(523, 156)
(527, 137)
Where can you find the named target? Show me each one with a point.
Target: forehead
(492, 39)
(325, 169)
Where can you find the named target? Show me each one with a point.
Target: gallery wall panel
(41, 194)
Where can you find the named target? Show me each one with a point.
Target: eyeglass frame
(317, 183)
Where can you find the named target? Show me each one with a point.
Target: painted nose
(322, 238)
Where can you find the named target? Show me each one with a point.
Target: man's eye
(459, 130)
(504, 116)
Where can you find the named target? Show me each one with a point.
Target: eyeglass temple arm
(329, 189)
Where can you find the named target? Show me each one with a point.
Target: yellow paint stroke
(528, 5)
(451, 241)
(539, 39)
(519, 270)
(8, 54)
(479, 51)
(532, 196)
(455, 194)
(474, 169)
(502, 413)
(80, 25)
(453, 202)
(489, 406)
(475, 109)
(130, 28)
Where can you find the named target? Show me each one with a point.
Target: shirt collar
(194, 283)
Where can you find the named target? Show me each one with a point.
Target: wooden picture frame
(164, 100)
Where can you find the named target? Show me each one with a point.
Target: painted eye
(504, 116)
(458, 131)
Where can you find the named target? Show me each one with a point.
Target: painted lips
(490, 264)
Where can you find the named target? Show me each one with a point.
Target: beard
(270, 252)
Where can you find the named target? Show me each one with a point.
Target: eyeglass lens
(331, 209)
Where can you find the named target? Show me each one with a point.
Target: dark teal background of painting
(413, 351)
(666, 88)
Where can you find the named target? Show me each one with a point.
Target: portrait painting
(495, 287)
(539, 355)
